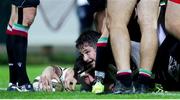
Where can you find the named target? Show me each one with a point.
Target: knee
(117, 21)
(148, 25)
(117, 24)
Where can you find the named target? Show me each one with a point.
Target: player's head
(86, 44)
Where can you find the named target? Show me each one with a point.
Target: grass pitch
(34, 70)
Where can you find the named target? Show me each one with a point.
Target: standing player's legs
(17, 45)
(119, 13)
(172, 18)
(147, 16)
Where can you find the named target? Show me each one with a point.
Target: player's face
(89, 54)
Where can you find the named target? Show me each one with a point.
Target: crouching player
(22, 17)
(85, 64)
(55, 78)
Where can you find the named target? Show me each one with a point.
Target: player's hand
(88, 79)
(45, 83)
(98, 87)
(70, 83)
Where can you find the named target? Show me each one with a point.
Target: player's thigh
(29, 14)
(147, 11)
(14, 14)
(172, 17)
(119, 11)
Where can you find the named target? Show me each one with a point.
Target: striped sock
(145, 72)
(20, 30)
(102, 54)
(20, 33)
(9, 29)
(124, 72)
(125, 77)
(102, 42)
(11, 55)
(144, 76)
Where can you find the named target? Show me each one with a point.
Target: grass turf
(34, 70)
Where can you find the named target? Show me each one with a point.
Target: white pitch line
(3, 89)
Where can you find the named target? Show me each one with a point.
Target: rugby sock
(21, 33)
(99, 76)
(176, 1)
(144, 76)
(125, 77)
(9, 29)
(11, 55)
(101, 58)
(101, 54)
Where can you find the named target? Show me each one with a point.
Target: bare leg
(119, 12)
(99, 17)
(172, 18)
(14, 15)
(148, 14)
(29, 15)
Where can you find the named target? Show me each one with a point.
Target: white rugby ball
(57, 86)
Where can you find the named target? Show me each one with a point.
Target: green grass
(34, 70)
(77, 95)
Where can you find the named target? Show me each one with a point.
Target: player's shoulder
(58, 69)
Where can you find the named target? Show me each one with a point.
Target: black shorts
(98, 5)
(25, 3)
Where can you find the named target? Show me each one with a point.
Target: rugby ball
(57, 86)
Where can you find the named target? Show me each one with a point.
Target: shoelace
(159, 89)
